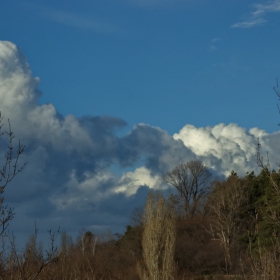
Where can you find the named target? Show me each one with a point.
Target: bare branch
(9, 170)
(192, 180)
(265, 166)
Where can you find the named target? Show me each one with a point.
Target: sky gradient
(109, 95)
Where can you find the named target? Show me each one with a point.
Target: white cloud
(272, 6)
(251, 22)
(80, 21)
(75, 20)
(216, 40)
(152, 3)
(226, 147)
(257, 16)
(17, 87)
(213, 46)
(19, 97)
(130, 182)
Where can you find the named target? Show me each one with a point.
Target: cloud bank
(80, 174)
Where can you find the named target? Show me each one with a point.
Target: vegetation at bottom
(217, 230)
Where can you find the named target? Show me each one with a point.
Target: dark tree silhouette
(192, 180)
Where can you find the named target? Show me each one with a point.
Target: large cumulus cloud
(230, 147)
(80, 174)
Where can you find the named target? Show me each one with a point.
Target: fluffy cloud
(223, 147)
(130, 182)
(80, 174)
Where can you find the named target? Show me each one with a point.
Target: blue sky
(166, 63)
(128, 89)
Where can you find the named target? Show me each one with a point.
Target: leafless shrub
(30, 263)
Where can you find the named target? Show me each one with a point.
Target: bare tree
(265, 261)
(224, 204)
(192, 180)
(265, 165)
(10, 168)
(277, 91)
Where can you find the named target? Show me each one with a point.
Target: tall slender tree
(158, 242)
